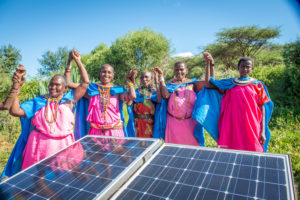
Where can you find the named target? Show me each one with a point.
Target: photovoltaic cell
(182, 172)
(88, 169)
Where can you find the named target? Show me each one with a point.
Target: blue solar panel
(90, 168)
(182, 172)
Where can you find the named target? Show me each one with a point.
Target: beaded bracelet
(130, 84)
(68, 70)
(161, 79)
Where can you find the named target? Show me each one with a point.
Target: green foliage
(248, 40)
(233, 43)
(9, 58)
(269, 56)
(142, 49)
(95, 60)
(53, 61)
(225, 54)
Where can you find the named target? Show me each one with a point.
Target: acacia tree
(241, 41)
(53, 61)
(142, 49)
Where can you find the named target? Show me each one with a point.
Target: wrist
(68, 67)
(129, 84)
(161, 79)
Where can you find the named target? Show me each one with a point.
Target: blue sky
(35, 26)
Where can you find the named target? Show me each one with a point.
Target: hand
(131, 75)
(208, 57)
(262, 139)
(70, 58)
(155, 76)
(158, 71)
(75, 55)
(19, 75)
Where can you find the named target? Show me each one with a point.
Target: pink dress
(109, 124)
(48, 138)
(181, 131)
(241, 118)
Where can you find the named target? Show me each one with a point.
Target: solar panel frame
(287, 166)
(119, 180)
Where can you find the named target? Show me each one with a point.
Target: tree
(247, 40)
(142, 49)
(241, 41)
(9, 58)
(53, 61)
(224, 54)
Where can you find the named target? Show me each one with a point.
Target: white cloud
(184, 54)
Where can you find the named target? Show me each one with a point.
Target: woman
(18, 80)
(105, 113)
(51, 118)
(145, 106)
(181, 95)
(244, 111)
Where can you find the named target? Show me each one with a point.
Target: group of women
(234, 111)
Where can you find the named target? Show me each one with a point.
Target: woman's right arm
(15, 109)
(18, 80)
(163, 88)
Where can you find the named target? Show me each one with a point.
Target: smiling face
(57, 86)
(180, 71)
(245, 68)
(146, 78)
(106, 74)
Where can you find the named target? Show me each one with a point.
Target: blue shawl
(208, 107)
(82, 126)
(140, 99)
(30, 107)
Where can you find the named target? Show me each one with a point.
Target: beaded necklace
(147, 92)
(53, 114)
(104, 99)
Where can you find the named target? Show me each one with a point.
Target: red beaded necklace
(104, 94)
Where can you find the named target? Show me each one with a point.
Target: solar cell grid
(82, 171)
(181, 172)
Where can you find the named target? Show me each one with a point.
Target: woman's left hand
(76, 55)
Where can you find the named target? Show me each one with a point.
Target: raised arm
(18, 80)
(210, 69)
(130, 79)
(71, 85)
(15, 109)
(80, 90)
(163, 88)
(156, 83)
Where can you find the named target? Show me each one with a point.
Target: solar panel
(186, 172)
(93, 167)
